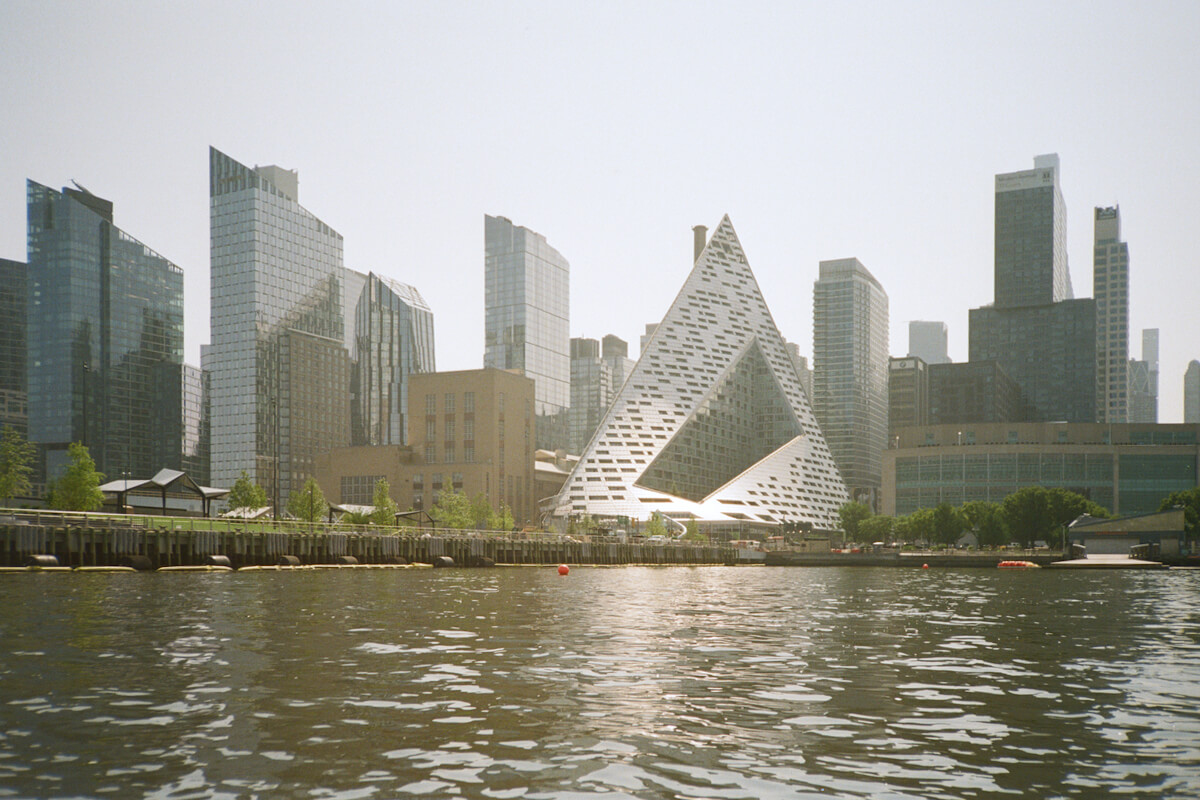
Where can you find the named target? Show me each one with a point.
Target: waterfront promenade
(90, 540)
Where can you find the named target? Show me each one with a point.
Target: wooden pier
(87, 540)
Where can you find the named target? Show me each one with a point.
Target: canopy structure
(165, 482)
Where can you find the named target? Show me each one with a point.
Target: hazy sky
(825, 130)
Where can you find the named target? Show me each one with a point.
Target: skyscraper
(928, 341)
(1143, 380)
(850, 372)
(278, 365)
(1031, 237)
(526, 315)
(13, 380)
(393, 340)
(105, 338)
(591, 391)
(1191, 392)
(1110, 285)
(711, 425)
(1042, 338)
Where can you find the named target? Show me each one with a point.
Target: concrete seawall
(104, 543)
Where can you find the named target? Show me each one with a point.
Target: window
(418, 481)
(449, 403)
(430, 453)
(430, 404)
(468, 402)
(469, 453)
(448, 454)
(469, 430)
(449, 432)
(430, 430)
(437, 481)
(500, 402)
(456, 480)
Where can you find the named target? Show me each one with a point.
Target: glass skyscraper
(105, 338)
(850, 372)
(1043, 338)
(13, 380)
(526, 315)
(278, 364)
(393, 340)
(1191, 392)
(1110, 285)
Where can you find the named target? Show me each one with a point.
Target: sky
(824, 130)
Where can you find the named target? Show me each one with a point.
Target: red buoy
(563, 569)
(924, 566)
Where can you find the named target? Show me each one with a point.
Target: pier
(99, 540)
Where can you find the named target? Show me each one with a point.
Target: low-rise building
(1127, 469)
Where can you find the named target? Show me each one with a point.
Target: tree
(452, 510)
(247, 494)
(78, 488)
(356, 518)
(1190, 500)
(693, 532)
(308, 504)
(948, 524)
(1036, 513)
(385, 506)
(851, 515)
(504, 518)
(878, 528)
(16, 464)
(655, 525)
(987, 520)
(917, 526)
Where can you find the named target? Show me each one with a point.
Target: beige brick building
(471, 431)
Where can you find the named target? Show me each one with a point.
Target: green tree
(987, 520)
(78, 488)
(851, 515)
(385, 506)
(1036, 513)
(878, 528)
(655, 525)
(948, 523)
(16, 464)
(693, 532)
(917, 526)
(1190, 501)
(483, 516)
(452, 510)
(504, 518)
(357, 518)
(308, 504)
(247, 494)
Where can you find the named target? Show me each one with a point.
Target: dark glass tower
(105, 346)
(13, 297)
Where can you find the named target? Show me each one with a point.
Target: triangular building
(712, 424)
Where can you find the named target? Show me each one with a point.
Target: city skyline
(404, 156)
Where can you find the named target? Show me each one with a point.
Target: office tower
(646, 336)
(194, 411)
(591, 391)
(973, 392)
(278, 365)
(526, 307)
(1143, 380)
(908, 394)
(105, 338)
(929, 342)
(850, 372)
(1191, 392)
(1110, 285)
(13, 381)
(393, 340)
(1031, 237)
(1040, 336)
(802, 369)
(711, 425)
(615, 352)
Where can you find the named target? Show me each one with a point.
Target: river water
(708, 682)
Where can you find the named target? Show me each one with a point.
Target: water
(710, 682)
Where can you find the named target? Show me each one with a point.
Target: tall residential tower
(526, 315)
(850, 372)
(1110, 285)
(278, 364)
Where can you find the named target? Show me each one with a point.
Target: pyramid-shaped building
(712, 424)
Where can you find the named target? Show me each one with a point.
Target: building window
(359, 489)
(430, 453)
(418, 481)
(448, 454)
(500, 402)
(437, 481)
(468, 402)
(449, 403)
(418, 501)
(430, 430)
(457, 481)
(449, 432)
(469, 453)
(431, 404)
(468, 429)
